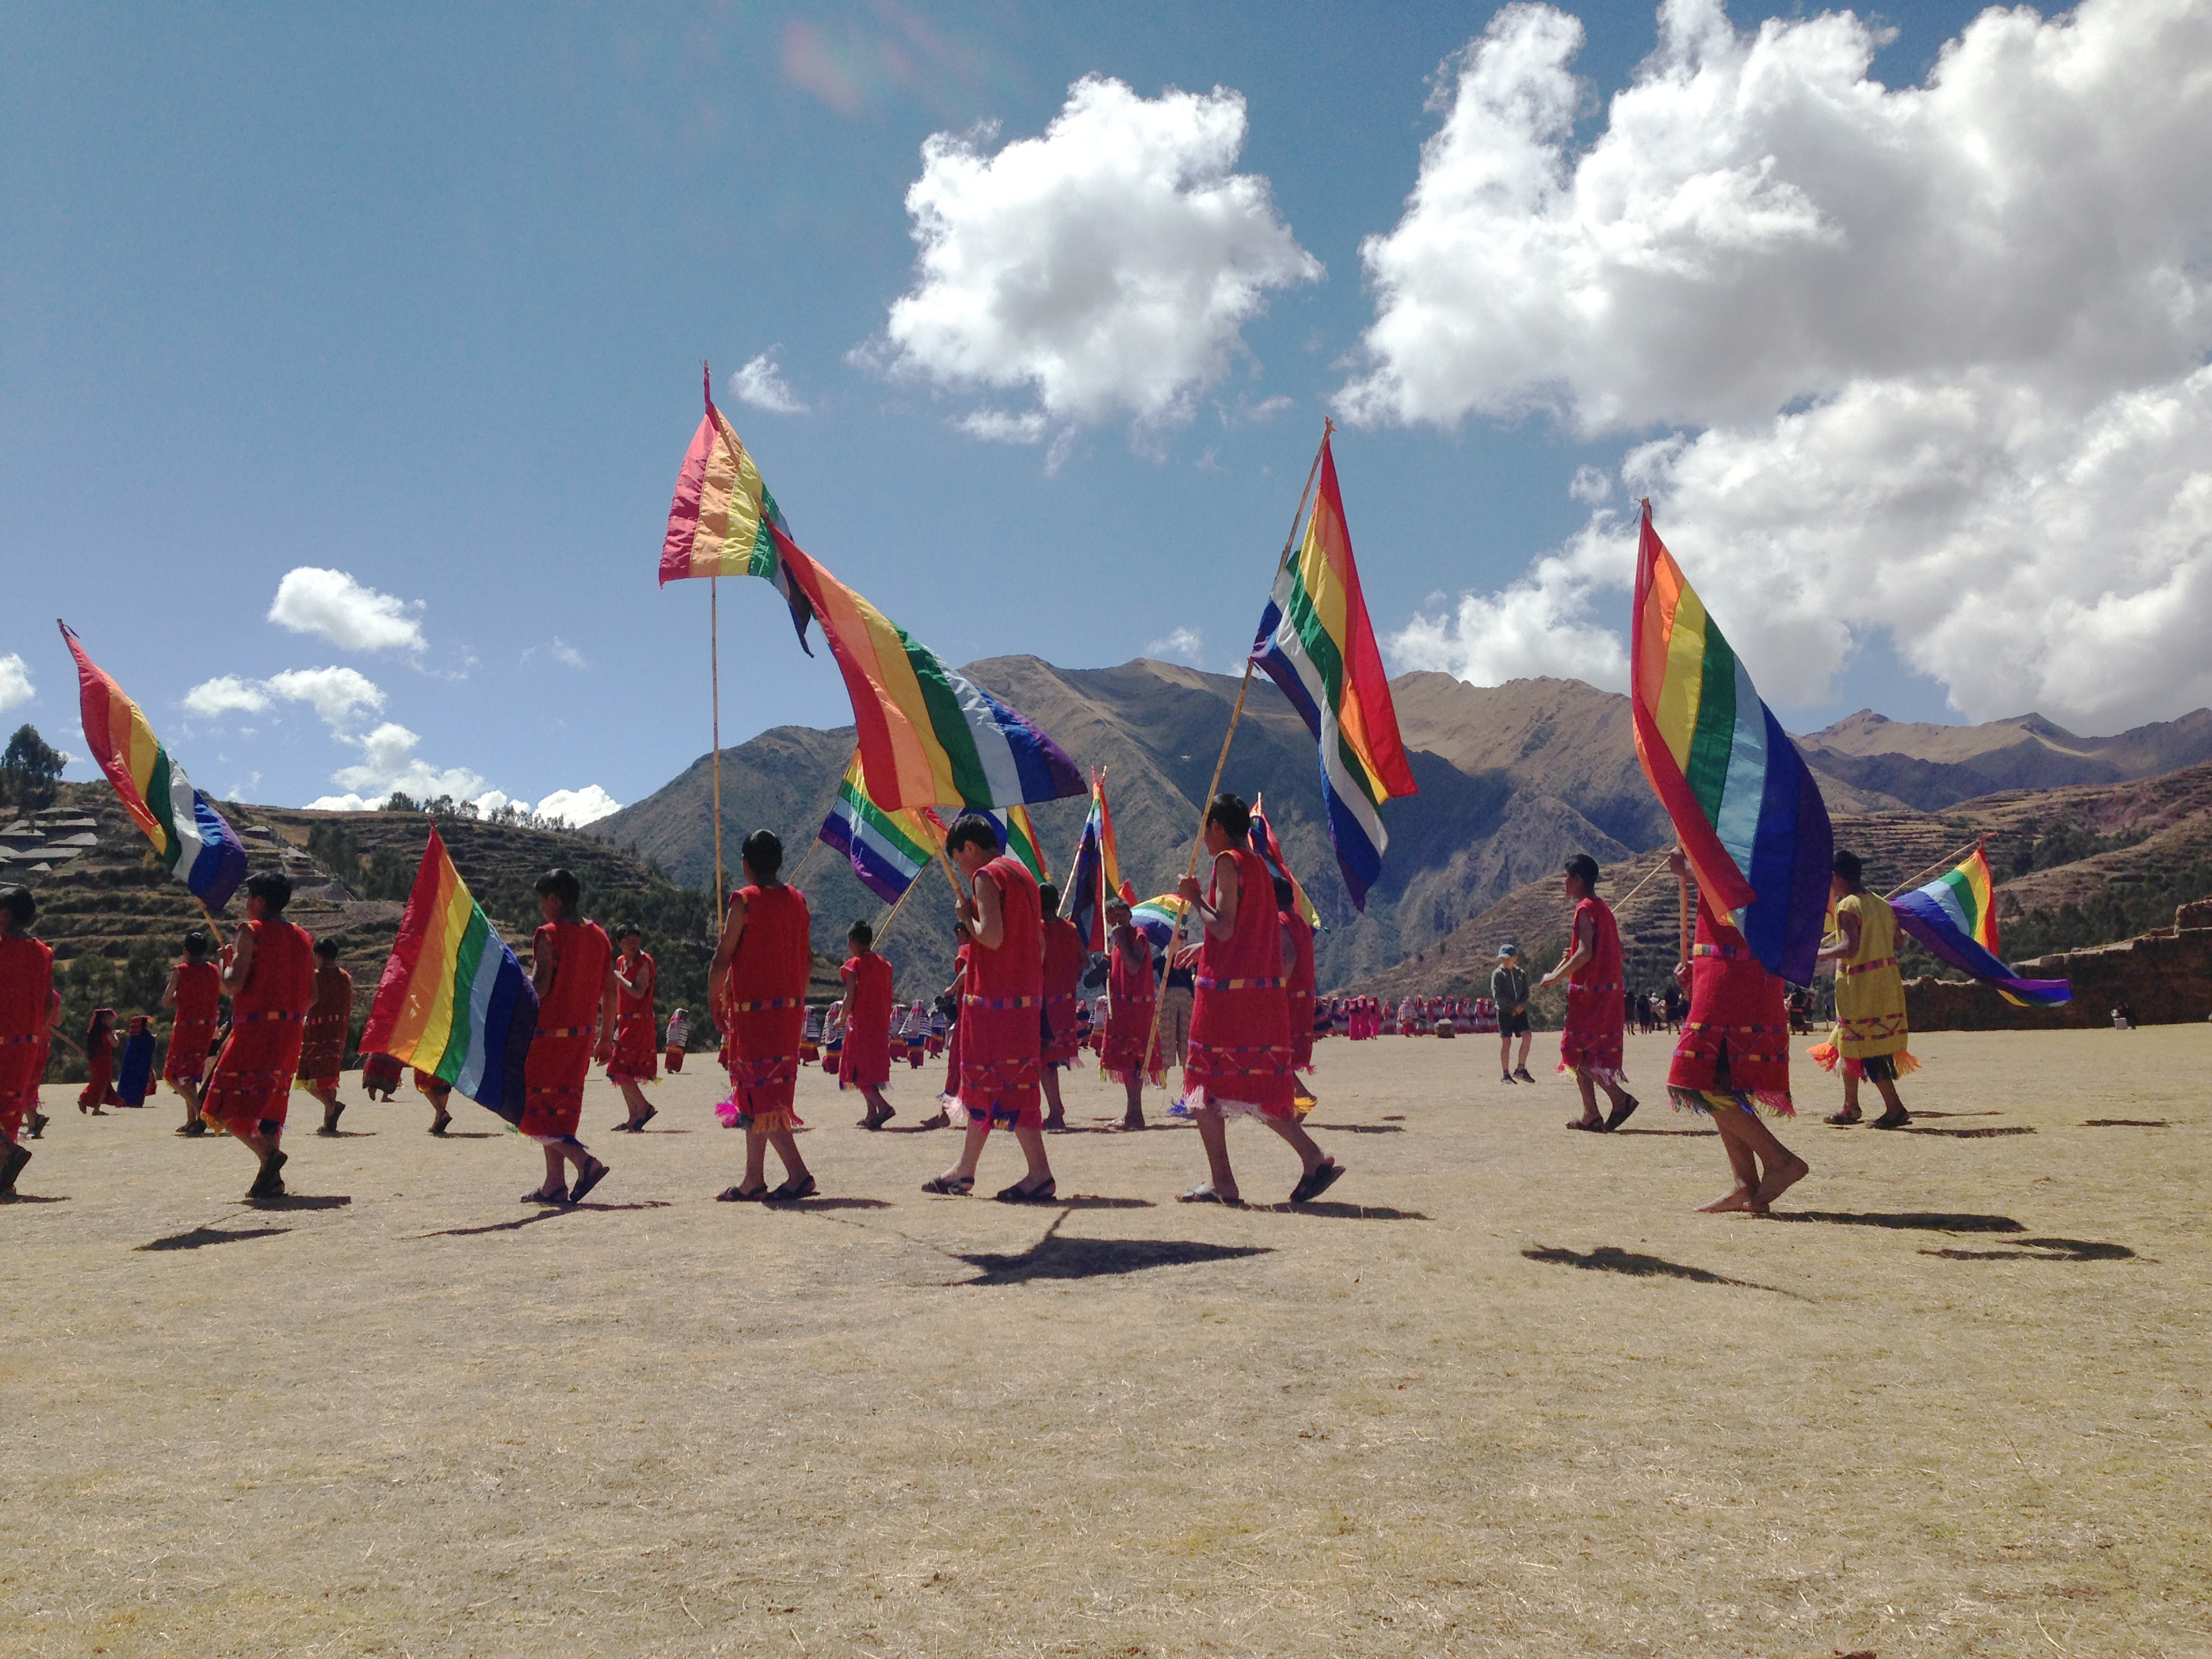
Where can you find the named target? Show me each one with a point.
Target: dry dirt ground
(1503, 1392)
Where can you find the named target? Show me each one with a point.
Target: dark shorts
(1512, 1026)
(1879, 1068)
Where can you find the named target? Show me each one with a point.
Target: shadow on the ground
(1054, 1257)
(2125, 1123)
(1923, 1221)
(1093, 1202)
(833, 1204)
(1330, 1210)
(471, 1134)
(1679, 1132)
(345, 1134)
(301, 1201)
(1973, 1135)
(2045, 1249)
(548, 1213)
(1922, 1111)
(35, 1198)
(1610, 1259)
(199, 1237)
(1357, 1128)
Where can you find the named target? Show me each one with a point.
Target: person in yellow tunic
(1871, 1023)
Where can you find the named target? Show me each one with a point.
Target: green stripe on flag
(1714, 742)
(163, 809)
(948, 722)
(468, 960)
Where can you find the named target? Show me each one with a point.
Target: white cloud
(996, 426)
(389, 761)
(560, 650)
(1544, 624)
(1593, 486)
(578, 807)
(228, 694)
(331, 603)
(1179, 645)
(1109, 265)
(761, 384)
(16, 686)
(1940, 350)
(337, 694)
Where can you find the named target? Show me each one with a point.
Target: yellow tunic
(1870, 991)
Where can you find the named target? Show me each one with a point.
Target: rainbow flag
(189, 836)
(722, 520)
(1097, 875)
(1264, 844)
(1316, 642)
(1017, 835)
(454, 1000)
(888, 849)
(1955, 916)
(1745, 806)
(1158, 919)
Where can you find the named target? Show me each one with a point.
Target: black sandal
(740, 1196)
(1890, 1121)
(590, 1178)
(539, 1195)
(1315, 1181)
(1040, 1194)
(791, 1191)
(950, 1185)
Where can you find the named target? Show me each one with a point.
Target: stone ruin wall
(2166, 974)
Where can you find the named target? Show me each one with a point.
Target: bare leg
(1031, 1142)
(1214, 1133)
(1132, 1116)
(880, 1109)
(1309, 1155)
(786, 1148)
(634, 1097)
(971, 1149)
(1728, 1119)
(1783, 1169)
(1505, 1056)
(328, 1098)
(1526, 1038)
(755, 1160)
(1055, 1116)
(1591, 1117)
(1892, 1108)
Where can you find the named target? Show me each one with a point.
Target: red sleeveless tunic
(27, 987)
(1064, 956)
(322, 1051)
(866, 1057)
(766, 1014)
(253, 1080)
(193, 1021)
(1299, 991)
(1001, 1049)
(1736, 1020)
(1595, 1015)
(637, 1054)
(1240, 1023)
(1131, 993)
(560, 1056)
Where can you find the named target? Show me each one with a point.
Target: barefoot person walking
(270, 972)
(1734, 1057)
(1871, 1028)
(29, 1008)
(1240, 1054)
(1001, 1046)
(759, 981)
(1591, 1042)
(194, 998)
(572, 965)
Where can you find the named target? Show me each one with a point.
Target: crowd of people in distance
(1236, 1011)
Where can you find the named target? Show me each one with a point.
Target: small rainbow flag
(1316, 642)
(721, 523)
(1955, 916)
(1264, 844)
(453, 1001)
(189, 836)
(888, 850)
(1096, 876)
(1017, 835)
(1158, 918)
(1750, 817)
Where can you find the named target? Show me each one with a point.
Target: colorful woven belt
(1240, 984)
(1002, 1002)
(763, 1007)
(9, 1042)
(1590, 989)
(565, 1031)
(1867, 967)
(267, 1013)
(1725, 952)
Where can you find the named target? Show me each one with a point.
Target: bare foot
(1737, 1198)
(1780, 1179)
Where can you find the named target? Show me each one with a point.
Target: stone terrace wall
(2167, 976)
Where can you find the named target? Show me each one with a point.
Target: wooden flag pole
(792, 880)
(715, 680)
(1236, 715)
(1683, 894)
(891, 915)
(1948, 859)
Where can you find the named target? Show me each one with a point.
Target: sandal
(1040, 1194)
(740, 1196)
(1621, 1114)
(950, 1185)
(1842, 1120)
(791, 1191)
(539, 1195)
(1317, 1181)
(1890, 1121)
(589, 1179)
(1595, 1128)
(1204, 1193)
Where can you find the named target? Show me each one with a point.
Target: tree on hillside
(29, 768)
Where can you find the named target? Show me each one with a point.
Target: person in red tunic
(269, 970)
(99, 1051)
(948, 1043)
(637, 1055)
(1131, 991)
(194, 996)
(1064, 962)
(572, 962)
(1240, 1025)
(435, 1090)
(1001, 1046)
(1734, 1057)
(1590, 1042)
(759, 983)
(29, 1008)
(1298, 989)
(330, 1017)
(866, 1016)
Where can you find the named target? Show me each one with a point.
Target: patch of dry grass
(1502, 1393)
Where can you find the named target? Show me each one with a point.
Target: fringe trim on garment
(1827, 1056)
(1775, 1102)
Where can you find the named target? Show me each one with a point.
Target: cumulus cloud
(16, 686)
(388, 761)
(1544, 624)
(331, 603)
(560, 650)
(761, 384)
(1935, 355)
(1179, 645)
(228, 694)
(1109, 267)
(336, 694)
(578, 807)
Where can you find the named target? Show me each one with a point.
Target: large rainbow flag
(1097, 875)
(722, 520)
(1750, 817)
(888, 849)
(454, 1000)
(189, 836)
(1955, 916)
(1316, 642)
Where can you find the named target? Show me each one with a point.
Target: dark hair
(763, 851)
(197, 942)
(860, 934)
(1049, 898)
(1287, 897)
(1230, 813)
(274, 890)
(973, 829)
(1584, 868)
(559, 884)
(327, 949)
(1847, 865)
(629, 930)
(23, 909)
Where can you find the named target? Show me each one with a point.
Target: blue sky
(419, 294)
